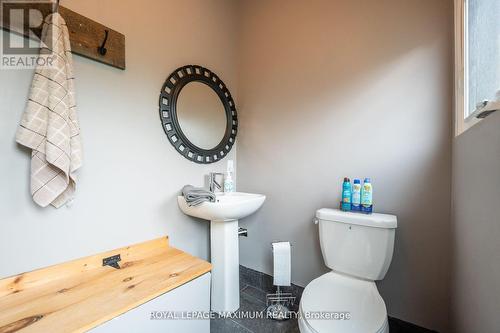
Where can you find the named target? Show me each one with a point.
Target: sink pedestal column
(224, 252)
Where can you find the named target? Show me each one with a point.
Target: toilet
(358, 249)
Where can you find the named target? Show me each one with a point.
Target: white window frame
(463, 119)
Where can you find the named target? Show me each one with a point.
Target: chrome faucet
(212, 182)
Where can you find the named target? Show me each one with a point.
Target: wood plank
(85, 34)
(78, 295)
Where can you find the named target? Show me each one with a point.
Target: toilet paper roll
(282, 260)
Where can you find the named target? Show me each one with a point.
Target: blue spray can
(367, 197)
(346, 195)
(356, 196)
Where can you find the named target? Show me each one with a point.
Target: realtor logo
(23, 21)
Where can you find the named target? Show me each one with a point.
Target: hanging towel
(49, 125)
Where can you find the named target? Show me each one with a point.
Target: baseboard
(264, 282)
(400, 326)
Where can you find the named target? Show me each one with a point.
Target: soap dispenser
(228, 180)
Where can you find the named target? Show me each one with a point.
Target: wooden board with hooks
(88, 38)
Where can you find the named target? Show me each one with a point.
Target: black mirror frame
(168, 114)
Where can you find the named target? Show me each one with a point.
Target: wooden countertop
(81, 294)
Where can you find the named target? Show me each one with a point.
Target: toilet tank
(357, 244)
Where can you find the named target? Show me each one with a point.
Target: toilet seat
(334, 292)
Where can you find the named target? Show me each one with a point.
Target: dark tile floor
(252, 299)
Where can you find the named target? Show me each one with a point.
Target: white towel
(49, 125)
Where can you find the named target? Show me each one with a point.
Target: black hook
(112, 261)
(102, 50)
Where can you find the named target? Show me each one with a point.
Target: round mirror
(198, 114)
(201, 115)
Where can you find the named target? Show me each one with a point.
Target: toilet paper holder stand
(279, 303)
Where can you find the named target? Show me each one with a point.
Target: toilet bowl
(358, 248)
(333, 293)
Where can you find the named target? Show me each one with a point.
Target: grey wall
(476, 228)
(350, 88)
(131, 174)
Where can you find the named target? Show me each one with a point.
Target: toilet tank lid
(370, 220)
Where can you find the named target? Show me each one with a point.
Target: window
(477, 57)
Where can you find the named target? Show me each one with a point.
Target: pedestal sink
(223, 216)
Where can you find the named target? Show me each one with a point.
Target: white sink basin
(228, 206)
(224, 244)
